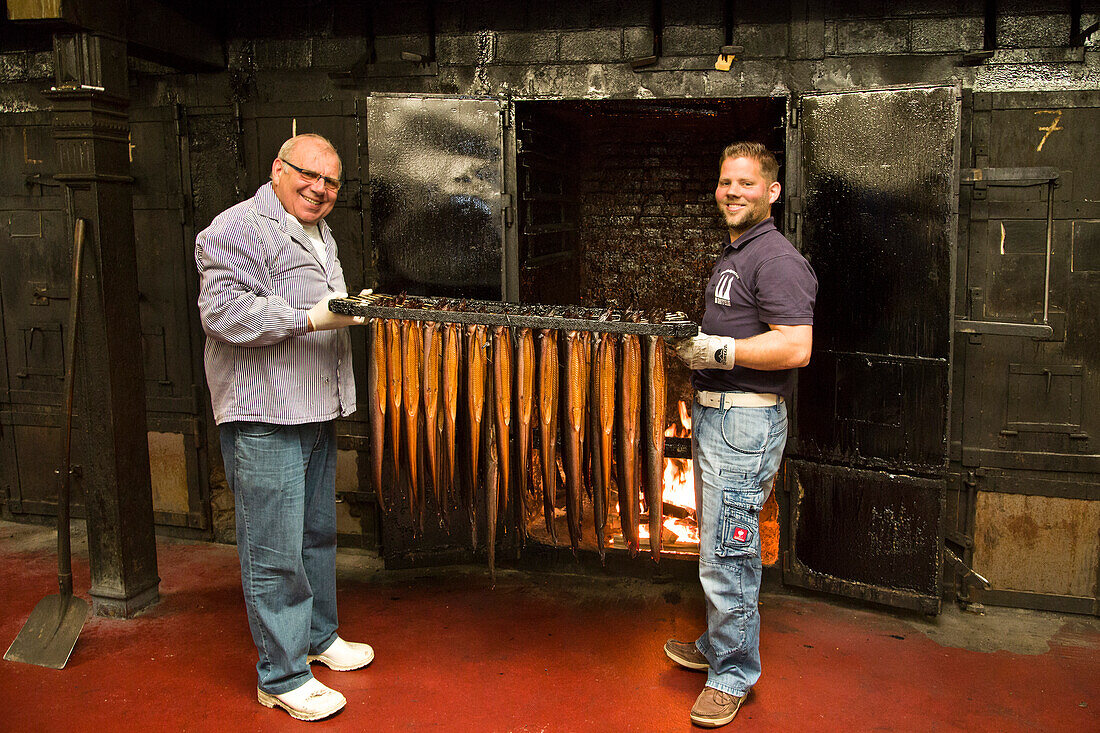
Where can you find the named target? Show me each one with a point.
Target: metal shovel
(48, 637)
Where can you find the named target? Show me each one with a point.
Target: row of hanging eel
(467, 395)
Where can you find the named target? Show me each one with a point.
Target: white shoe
(344, 656)
(311, 701)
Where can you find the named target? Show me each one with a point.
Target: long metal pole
(64, 558)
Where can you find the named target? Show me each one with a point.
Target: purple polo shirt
(760, 279)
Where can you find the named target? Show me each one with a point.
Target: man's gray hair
(289, 145)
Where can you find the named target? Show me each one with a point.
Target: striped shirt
(258, 276)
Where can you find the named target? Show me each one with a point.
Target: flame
(679, 480)
(685, 419)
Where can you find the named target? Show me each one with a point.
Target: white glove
(322, 319)
(704, 351)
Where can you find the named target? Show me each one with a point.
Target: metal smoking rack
(515, 315)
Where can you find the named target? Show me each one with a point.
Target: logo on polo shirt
(725, 284)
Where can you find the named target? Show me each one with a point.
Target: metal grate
(517, 315)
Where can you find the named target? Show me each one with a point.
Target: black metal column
(91, 128)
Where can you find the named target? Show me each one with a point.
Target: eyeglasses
(332, 184)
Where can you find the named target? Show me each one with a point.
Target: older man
(278, 364)
(757, 330)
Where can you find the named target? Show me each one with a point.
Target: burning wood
(679, 483)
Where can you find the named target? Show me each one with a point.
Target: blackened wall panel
(867, 528)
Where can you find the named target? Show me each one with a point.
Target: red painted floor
(538, 652)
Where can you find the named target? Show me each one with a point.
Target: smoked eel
(576, 398)
(655, 403)
(604, 410)
(548, 423)
(433, 356)
(630, 408)
(475, 410)
(377, 397)
(452, 358)
(525, 408)
(493, 472)
(502, 392)
(393, 379)
(411, 352)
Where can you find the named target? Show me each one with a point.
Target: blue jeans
(283, 479)
(736, 453)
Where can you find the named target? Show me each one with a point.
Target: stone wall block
(389, 48)
(947, 34)
(872, 37)
(830, 38)
(692, 40)
(456, 49)
(763, 40)
(594, 45)
(40, 65)
(13, 66)
(1032, 31)
(283, 53)
(637, 42)
(533, 48)
(338, 53)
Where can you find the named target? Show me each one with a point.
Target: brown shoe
(685, 654)
(714, 708)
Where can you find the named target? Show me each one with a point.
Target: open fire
(681, 529)
(679, 498)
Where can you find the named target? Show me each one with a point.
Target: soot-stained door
(35, 277)
(436, 186)
(167, 291)
(877, 192)
(36, 245)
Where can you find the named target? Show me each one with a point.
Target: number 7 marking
(1051, 127)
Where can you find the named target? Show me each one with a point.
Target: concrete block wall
(578, 48)
(575, 49)
(649, 229)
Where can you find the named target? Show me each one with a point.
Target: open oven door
(441, 224)
(437, 168)
(875, 184)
